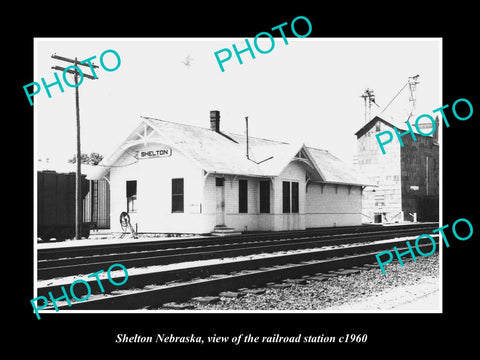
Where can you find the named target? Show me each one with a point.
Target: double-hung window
(290, 197)
(131, 190)
(242, 196)
(177, 196)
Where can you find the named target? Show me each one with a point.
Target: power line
(385, 108)
(412, 82)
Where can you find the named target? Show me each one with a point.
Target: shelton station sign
(148, 154)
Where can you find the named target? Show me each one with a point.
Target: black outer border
(387, 333)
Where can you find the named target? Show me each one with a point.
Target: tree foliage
(92, 159)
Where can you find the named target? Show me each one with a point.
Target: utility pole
(78, 175)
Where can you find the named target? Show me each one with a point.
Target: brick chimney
(215, 120)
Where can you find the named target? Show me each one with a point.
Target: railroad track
(86, 260)
(82, 251)
(149, 288)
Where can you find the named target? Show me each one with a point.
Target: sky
(308, 91)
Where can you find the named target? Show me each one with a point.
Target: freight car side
(56, 205)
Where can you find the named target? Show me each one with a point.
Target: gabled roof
(391, 122)
(225, 153)
(336, 171)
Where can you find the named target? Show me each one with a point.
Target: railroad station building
(176, 178)
(406, 178)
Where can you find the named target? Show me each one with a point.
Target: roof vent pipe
(248, 153)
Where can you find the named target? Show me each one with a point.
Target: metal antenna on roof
(412, 83)
(368, 94)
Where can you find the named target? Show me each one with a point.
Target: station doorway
(220, 194)
(378, 218)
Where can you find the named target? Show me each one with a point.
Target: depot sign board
(156, 153)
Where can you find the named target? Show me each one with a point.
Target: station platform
(107, 238)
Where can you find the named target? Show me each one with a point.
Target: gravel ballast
(415, 282)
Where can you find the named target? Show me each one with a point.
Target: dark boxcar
(56, 205)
